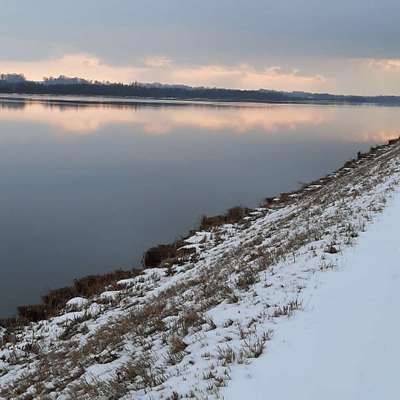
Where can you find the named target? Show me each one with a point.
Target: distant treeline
(187, 93)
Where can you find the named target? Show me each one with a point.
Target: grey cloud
(194, 31)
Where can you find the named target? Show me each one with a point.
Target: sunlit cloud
(246, 76)
(385, 63)
(161, 69)
(80, 64)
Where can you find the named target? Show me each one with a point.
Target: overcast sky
(336, 46)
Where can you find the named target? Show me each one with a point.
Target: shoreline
(167, 255)
(189, 329)
(79, 100)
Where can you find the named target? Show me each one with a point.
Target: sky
(336, 46)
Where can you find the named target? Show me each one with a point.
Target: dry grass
(178, 312)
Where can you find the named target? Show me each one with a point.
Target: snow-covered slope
(345, 345)
(283, 304)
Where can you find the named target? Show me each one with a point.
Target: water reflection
(161, 119)
(87, 188)
(156, 118)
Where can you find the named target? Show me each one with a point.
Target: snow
(280, 315)
(69, 316)
(110, 295)
(77, 303)
(345, 344)
(126, 283)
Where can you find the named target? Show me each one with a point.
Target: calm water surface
(87, 188)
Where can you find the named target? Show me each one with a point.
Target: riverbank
(163, 255)
(345, 343)
(187, 328)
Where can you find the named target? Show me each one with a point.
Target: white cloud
(162, 69)
(385, 63)
(157, 62)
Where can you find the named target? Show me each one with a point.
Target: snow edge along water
(185, 331)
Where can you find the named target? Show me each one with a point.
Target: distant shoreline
(143, 92)
(87, 100)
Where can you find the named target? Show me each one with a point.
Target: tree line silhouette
(185, 93)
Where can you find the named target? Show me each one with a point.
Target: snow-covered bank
(345, 345)
(235, 307)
